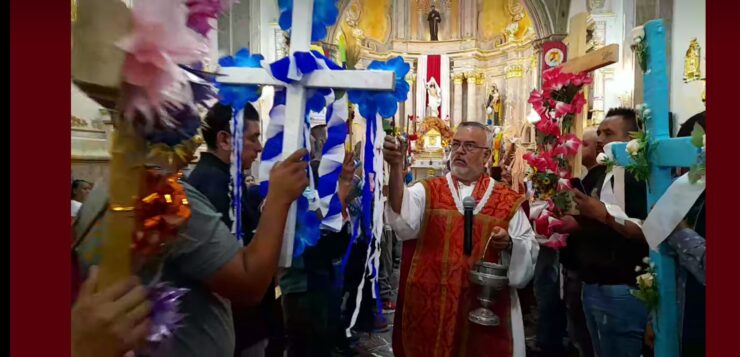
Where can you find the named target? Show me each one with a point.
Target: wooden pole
(128, 152)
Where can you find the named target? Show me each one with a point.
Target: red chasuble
(435, 293)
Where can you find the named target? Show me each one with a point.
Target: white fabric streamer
(670, 210)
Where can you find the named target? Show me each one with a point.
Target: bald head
(590, 144)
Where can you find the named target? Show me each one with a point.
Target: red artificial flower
(562, 108)
(579, 101)
(570, 143)
(548, 128)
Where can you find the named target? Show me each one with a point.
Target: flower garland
(639, 147)
(556, 104)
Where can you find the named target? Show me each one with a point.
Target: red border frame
(39, 178)
(722, 288)
(39, 163)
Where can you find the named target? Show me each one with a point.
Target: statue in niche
(434, 18)
(435, 98)
(692, 62)
(493, 107)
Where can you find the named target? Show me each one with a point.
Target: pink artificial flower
(542, 224)
(550, 74)
(579, 101)
(570, 143)
(548, 127)
(556, 241)
(564, 184)
(562, 108)
(202, 11)
(157, 44)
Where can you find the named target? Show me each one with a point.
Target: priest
(435, 294)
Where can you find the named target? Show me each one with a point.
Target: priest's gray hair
(477, 125)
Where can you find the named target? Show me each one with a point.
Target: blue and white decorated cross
(298, 83)
(665, 153)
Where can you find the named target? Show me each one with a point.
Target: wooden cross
(295, 111)
(665, 153)
(584, 63)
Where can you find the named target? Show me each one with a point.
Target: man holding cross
(604, 252)
(435, 295)
(208, 260)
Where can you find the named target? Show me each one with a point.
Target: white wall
(689, 21)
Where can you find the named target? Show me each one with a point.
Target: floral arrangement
(647, 285)
(699, 170)
(556, 105)
(640, 47)
(639, 147)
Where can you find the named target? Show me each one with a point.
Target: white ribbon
(613, 198)
(670, 210)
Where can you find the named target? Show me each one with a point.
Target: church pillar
(472, 96)
(480, 81)
(514, 99)
(457, 103)
(408, 105)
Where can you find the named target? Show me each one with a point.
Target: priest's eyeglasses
(469, 146)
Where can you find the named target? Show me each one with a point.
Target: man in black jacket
(605, 253)
(211, 176)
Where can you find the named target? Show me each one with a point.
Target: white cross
(300, 41)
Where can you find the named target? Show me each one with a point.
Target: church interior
(482, 61)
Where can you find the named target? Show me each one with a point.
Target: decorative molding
(457, 78)
(514, 71)
(480, 79)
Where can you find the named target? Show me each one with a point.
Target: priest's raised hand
(393, 152)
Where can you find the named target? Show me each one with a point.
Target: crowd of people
(575, 301)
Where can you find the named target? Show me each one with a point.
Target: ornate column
(457, 101)
(514, 99)
(471, 114)
(480, 81)
(408, 105)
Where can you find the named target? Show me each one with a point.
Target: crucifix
(300, 41)
(665, 153)
(584, 63)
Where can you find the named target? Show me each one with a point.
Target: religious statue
(493, 106)
(435, 97)
(434, 18)
(692, 62)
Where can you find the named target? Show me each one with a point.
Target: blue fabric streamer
(325, 13)
(308, 225)
(237, 96)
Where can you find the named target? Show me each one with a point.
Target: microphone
(468, 206)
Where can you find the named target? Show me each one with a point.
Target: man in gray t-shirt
(208, 260)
